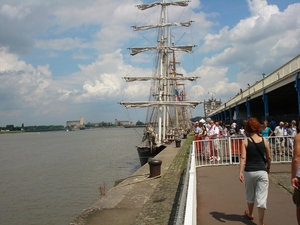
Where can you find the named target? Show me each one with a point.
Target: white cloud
(13, 12)
(260, 43)
(61, 44)
(227, 58)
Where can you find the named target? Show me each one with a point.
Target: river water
(50, 177)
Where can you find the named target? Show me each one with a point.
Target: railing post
(230, 153)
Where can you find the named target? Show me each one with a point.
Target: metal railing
(225, 151)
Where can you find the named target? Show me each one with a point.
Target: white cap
(202, 121)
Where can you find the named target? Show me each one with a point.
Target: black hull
(146, 153)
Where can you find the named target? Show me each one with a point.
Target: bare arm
(268, 155)
(295, 161)
(271, 133)
(243, 160)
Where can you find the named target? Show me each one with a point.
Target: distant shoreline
(38, 131)
(133, 126)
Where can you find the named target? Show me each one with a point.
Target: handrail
(230, 147)
(184, 191)
(191, 215)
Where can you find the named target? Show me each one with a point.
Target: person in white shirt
(214, 133)
(279, 133)
(291, 133)
(242, 131)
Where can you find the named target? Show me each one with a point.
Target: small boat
(168, 110)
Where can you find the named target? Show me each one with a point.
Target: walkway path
(221, 197)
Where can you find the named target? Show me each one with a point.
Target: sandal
(248, 216)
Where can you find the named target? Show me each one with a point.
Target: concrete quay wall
(141, 200)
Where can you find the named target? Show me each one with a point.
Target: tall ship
(168, 110)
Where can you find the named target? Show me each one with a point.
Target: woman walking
(253, 171)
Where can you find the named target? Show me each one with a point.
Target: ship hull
(146, 153)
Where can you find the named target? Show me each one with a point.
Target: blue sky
(60, 60)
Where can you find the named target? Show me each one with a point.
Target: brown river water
(50, 177)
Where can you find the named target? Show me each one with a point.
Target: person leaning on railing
(253, 170)
(266, 131)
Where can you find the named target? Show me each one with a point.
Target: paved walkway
(221, 197)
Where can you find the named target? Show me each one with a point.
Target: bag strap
(258, 149)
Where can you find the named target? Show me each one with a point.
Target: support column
(266, 104)
(237, 111)
(230, 115)
(248, 108)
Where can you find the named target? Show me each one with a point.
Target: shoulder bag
(258, 149)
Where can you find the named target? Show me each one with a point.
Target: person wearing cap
(202, 121)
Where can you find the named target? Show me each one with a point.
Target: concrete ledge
(139, 199)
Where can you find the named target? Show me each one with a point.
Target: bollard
(178, 143)
(154, 165)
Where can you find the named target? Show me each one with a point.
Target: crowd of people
(206, 129)
(289, 129)
(255, 159)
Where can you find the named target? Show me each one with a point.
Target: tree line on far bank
(41, 128)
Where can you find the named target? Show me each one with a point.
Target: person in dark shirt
(273, 124)
(253, 171)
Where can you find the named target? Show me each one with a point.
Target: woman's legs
(250, 186)
(261, 195)
(261, 214)
(250, 209)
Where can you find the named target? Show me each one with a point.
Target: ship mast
(163, 82)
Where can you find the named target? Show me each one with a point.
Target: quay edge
(139, 200)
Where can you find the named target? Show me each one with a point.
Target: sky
(60, 60)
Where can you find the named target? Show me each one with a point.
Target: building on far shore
(76, 123)
(123, 123)
(210, 105)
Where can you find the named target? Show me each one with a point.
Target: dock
(140, 200)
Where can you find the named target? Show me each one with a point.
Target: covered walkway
(221, 196)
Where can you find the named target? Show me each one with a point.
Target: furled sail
(131, 79)
(146, 27)
(147, 6)
(186, 48)
(192, 104)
